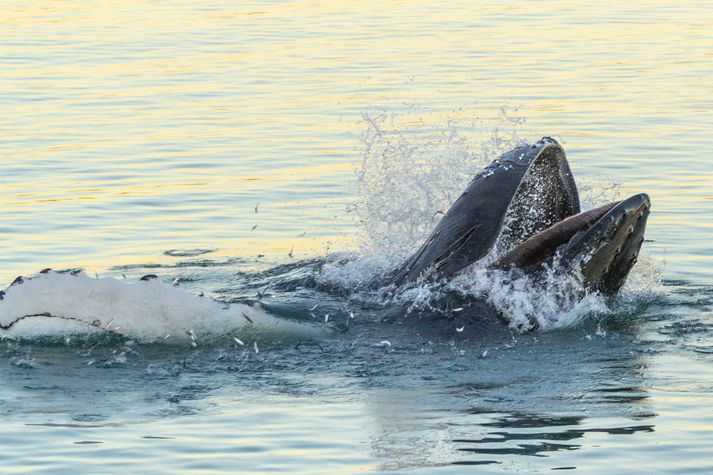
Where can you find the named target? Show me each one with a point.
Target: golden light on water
(164, 113)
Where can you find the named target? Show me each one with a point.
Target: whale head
(523, 211)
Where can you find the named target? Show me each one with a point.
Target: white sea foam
(146, 311)
(550, 300)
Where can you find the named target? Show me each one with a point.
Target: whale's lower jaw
(602, 244)
(608, 250)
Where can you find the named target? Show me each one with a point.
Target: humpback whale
(520, 214)
(523, 212)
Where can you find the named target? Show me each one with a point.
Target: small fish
(166, 337)
(247, 318)
(313, 315)
(253, 228)
(238, 341)
(485, 353)
(314, 308)
(260, 255)
(106, 327)
(460, 329)
(291, 251)
(96, 275)
(383, 344)
(351, 315)
(326, 318)
(257, 350)
(123, 275)
(459, 309)
(201, 294)
(256, 207)
(176, 281)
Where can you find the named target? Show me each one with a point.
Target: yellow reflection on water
(184, 111)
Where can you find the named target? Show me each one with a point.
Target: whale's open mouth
(522, 211)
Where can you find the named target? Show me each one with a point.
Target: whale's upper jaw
(497, 200)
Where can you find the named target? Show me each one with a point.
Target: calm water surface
(267, 133)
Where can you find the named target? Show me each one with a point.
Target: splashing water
(550, 300)
(407, 180)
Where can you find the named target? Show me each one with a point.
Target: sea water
(267, 161)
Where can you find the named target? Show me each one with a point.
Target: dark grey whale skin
(472, 224)
(602, 243)
(608, 250)
(534, 183)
